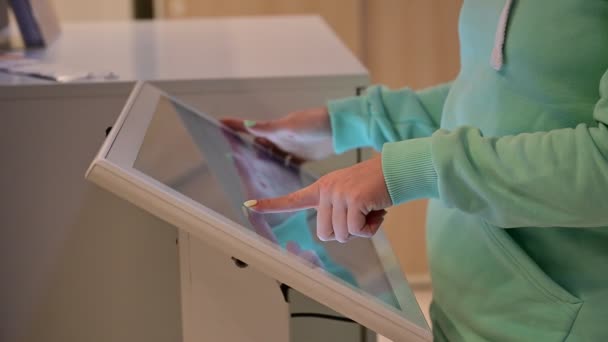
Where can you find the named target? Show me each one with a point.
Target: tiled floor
(424, 298)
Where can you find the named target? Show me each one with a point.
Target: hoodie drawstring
(497, 59)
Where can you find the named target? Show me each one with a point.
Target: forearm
(557, 178)
(543, 179)
(383, 115)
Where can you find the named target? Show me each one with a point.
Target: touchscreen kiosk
(184, 167)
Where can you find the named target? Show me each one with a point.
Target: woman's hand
(349, 202)
(305, 135)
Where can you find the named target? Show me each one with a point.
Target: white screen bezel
(113, 169)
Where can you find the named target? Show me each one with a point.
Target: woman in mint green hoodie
(514, 156)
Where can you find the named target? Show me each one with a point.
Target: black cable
(323, 316)
(285, 291)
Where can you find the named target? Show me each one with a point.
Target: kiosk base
(225, 301)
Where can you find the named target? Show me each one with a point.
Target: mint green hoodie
(514, 157)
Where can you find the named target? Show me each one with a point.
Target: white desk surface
(194, 49)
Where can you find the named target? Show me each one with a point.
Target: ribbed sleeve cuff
(408, 170)
(349, 123)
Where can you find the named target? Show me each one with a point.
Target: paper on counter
(18, 64)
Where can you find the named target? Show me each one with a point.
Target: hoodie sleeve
(383, 115)
(544, 179)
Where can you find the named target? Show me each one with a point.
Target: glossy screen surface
(220, 169)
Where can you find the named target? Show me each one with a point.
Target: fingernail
(249, 123)
(250, 203)
(245, 212)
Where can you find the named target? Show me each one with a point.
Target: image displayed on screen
(221, 169)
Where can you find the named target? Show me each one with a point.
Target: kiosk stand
(81, 264)
(183, 166)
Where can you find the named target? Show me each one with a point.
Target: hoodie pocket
(486, 288)
(522, 265)
(541, 309)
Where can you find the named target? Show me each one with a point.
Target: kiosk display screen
(194, 156)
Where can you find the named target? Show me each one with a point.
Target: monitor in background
(37, 21)
(3, 14)
(3, 23)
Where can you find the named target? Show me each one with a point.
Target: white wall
(86, 10)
